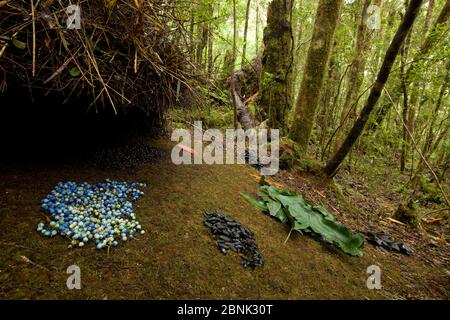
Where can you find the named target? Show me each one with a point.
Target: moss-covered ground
(176, 258)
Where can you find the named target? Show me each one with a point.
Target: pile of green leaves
(305, 217)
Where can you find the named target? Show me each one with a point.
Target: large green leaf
(301, 216)
(321, 209)
(273, 207)
(335, 233)
(259, 204)
(276, 210)
(262, 193)
(305, 217)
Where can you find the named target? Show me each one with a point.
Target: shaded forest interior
(359, 90)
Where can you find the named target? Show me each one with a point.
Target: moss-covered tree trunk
(326, 111)
(275, 98)
(228, 65)
(203, 35)
(313, 74)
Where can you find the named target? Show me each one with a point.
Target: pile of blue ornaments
(101, 213)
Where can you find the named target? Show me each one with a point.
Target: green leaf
(258, 204)
(292, 200)
(321, 209)
(273, 207)
(19, 44)
(274, 191)
(300, 215)
(335, 233)
(74, 72)
(263, 194)
(277, 211)
(305, 217)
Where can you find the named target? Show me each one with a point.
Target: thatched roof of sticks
(124, 55)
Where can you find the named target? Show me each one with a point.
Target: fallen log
(244, 116)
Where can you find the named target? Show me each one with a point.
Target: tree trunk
(203, 33)
(297, 47)
(244, 48)
(355, 75)
(423, 51)
(191, 35)
(243, 115)
(446, 160)
(210, 52)
(325, 116)
(429, 145)
(430, 10)
(233, 85)
(404, 88)
(257, 29)
(313, 74)
(383, 75)
(228, 65)
(406, 107)
(275, 98)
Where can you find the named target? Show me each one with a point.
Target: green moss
(289, 155)
(274, 99)
(211, 117)
(407, 213)
(310, 165)
(176, 258)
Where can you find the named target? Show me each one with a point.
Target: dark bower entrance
(50, 74)
(46, 127)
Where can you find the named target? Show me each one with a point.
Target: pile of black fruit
(385, 242)
(232, 235)
(126, 156)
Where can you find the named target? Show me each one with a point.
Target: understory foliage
(360, 85)
(404, 131)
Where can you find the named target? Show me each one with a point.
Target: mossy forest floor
(177, 258)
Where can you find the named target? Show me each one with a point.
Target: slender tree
(233, 80)
(429, 16)
(203, 35)
(297, 46)
(257, 29)
(432, 139)
(425, 48)
(355, 73)
(383, 75)
(244, 48)
(405, 137)
(210, 43)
